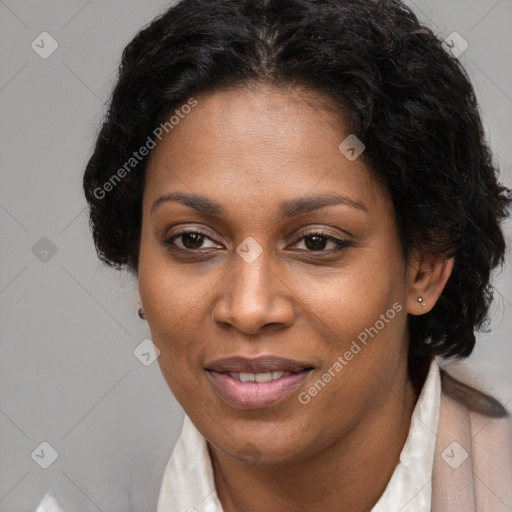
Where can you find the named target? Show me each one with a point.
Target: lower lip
(251, 395)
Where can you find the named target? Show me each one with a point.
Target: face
(271, 275)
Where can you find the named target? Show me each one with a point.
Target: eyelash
(342, 244)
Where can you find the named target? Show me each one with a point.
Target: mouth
(254, 383)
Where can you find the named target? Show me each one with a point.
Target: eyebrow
(290, 208)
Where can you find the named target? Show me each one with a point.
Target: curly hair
(399, 91)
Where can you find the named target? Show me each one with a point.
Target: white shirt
(188, 482)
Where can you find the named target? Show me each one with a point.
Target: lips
(253, 383)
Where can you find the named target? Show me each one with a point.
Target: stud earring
(142, 316)
(421, 300)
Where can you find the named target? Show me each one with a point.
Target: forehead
(262, 140)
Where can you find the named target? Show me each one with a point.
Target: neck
(351, 474)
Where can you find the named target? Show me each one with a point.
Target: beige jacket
(472, 469)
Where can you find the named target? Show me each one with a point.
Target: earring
(142, 316)
(421, 300)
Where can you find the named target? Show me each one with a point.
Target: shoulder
(481, 427)
(489, 420)
(478, 402)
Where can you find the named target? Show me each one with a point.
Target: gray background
(69, 325)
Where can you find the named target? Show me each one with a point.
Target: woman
(305, 195)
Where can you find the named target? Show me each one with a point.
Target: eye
(194, 240)
(190, 240)
(317, 241)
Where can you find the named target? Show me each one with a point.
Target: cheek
(352, 298)
(171, 295)
(361, 310)
(360, 364)
(168, 290)
(171, 300)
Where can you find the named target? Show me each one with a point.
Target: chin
(271, 447)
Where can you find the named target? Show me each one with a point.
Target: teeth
(258, 377)
(263, 377)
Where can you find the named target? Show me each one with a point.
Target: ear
(427, 278)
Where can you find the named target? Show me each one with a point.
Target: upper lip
(262, 364)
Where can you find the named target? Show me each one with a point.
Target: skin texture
(250, 149)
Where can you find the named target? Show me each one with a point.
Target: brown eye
(315, 242)
(188, 241)
(319, 241)
(192, 240)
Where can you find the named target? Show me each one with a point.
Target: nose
(254, 297)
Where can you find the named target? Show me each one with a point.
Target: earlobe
(428, 279)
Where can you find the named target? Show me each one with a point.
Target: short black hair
(399, 91)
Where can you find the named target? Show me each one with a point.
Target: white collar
(188, 482)
(410, 489)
